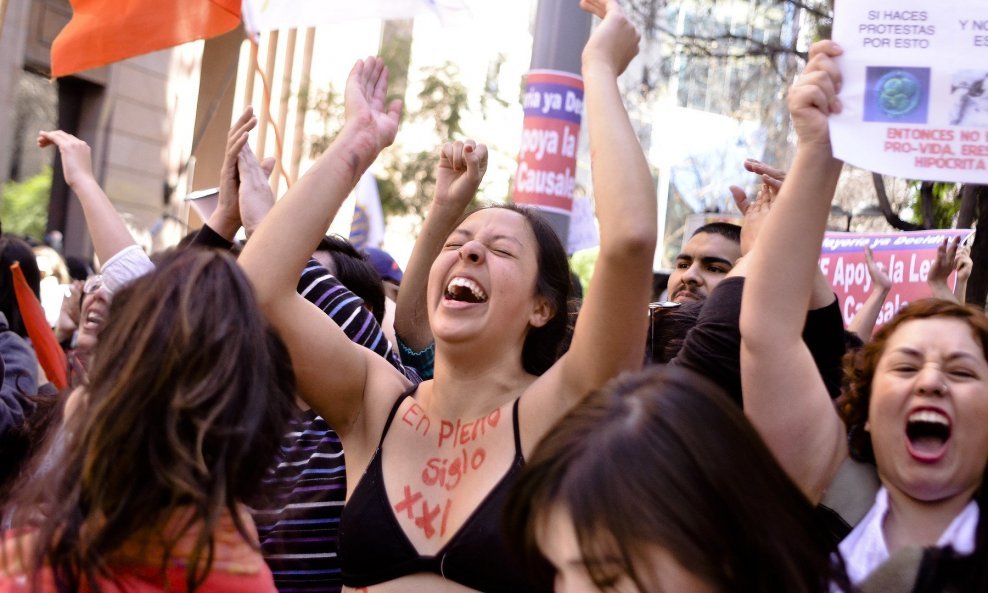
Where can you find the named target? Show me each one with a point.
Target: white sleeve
(124, 267)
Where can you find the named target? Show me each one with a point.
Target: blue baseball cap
(385, 265)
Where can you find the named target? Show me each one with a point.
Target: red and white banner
(546, 173)
(907, 258)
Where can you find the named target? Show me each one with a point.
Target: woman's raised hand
(461, 168)
(77, 161)
(614, 42)
(366, 114)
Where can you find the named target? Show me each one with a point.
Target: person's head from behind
(657, 482)
(916, 403)
(502, 277)
(189, 395)
(704, 261)
(14, 250)
(668, 326)
(350, 267)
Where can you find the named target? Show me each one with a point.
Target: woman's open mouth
(927, 434)
(464, 290)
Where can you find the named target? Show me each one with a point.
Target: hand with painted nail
(772, 179)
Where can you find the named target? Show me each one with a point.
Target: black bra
(374, 549)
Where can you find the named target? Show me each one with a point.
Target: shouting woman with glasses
(122, 259)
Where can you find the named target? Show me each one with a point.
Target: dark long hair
(189, 395)
(355, 272)
(965, 572)
(13, 250)
(543, 345)
(663, 458)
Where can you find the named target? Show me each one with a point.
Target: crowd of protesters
(292, 414)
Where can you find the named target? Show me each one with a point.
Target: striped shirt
(305, 491)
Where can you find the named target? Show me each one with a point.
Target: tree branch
(969, 205)
(926, 204)
(886, 208)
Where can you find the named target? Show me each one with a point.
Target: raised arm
(784, 396)
(332, 372)
(613, 323)
(963, 264)
(864, 320)
(461, 168)
(943, 265)
(106, 227)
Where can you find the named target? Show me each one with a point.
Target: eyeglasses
(93, 283)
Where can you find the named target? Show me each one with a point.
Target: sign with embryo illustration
(915, 88)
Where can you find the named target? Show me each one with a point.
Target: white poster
(268, 15)
(915, 88)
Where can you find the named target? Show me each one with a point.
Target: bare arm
(461, 168)
(784, 396)
(106, 226)
(332, 372)
(611, 329)
(864, 320)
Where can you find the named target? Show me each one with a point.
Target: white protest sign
(915, 88)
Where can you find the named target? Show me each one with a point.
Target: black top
(713, 347)
(374, 548)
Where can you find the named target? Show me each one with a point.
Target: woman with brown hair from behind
(143, 488)
(713, 512)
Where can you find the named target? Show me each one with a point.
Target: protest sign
(914, 82)
(906, 257)
(546, 174)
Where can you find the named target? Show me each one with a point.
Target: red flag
(46, 347)
(102, 31)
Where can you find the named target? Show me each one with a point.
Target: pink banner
(546, 172)
(906, 257)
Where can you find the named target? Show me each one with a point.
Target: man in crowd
(704, 261)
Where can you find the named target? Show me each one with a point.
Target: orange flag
(46, 347)
(105, 31)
